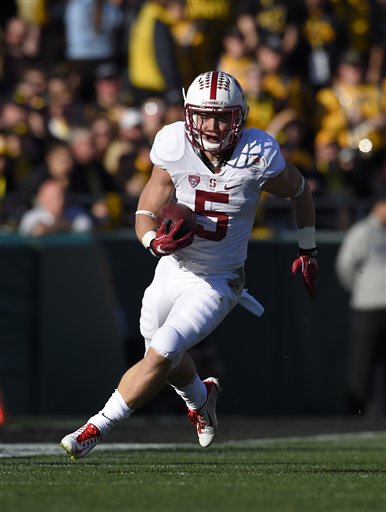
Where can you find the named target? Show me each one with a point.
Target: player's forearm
(304, 208)
(143, 224)
(156, 193)
(145, 215)
(304, 213)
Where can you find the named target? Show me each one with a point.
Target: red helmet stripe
(213, 85)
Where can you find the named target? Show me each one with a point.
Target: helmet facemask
(214, 93)
(226, 138)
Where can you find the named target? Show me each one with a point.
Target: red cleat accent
(80, 442)
(205, 419)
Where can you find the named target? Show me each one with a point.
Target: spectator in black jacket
(153, 66)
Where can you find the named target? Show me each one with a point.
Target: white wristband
(146, 212)
(306, 237)
(147, 238)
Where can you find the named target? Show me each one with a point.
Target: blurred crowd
(86, 84)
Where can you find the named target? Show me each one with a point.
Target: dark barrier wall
(61, 351)
(69, 312)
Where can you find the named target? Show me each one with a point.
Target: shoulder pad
(169, 144)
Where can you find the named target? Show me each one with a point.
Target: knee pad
(175, 362)
(168, 343)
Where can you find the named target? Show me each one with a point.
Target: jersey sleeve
(274, 159)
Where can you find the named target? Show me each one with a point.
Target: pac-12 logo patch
(194, 180)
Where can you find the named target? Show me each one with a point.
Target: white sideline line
(312, 437)
(29, 449)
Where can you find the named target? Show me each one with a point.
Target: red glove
(306, 265)
(168, 239)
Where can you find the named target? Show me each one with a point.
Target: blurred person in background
(235, 59)
(131, 153)
(262, 106)
(295, 148)
(92, 183)
(9, 215)
(20, 48)
(23, 148)
(127, 157)
(139, 166)
(154, 113)
(103, 132)
(30, 94)
(262, 19)
(351, 114)
(110, 95)
(246, 24)
(361, 269)
(31, 89)
(52, 215)
(362, 22)
(153, 66)
(281, 83)
(268, 114)
(322, 38)
(190, 42)
(64, 108)
(58, 165)
(91, 35)
(43, 16)
(213, 18)
(336, 182)
(376, 70)
(127, 137)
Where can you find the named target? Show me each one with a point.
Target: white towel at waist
(250, 303)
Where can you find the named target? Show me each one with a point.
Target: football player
(212, 164)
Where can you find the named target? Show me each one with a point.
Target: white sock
(114, 410)
(194, 394)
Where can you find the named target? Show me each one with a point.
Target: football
(176, 212)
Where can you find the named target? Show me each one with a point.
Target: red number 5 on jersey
(222, 218)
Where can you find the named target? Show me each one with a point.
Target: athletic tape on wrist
(306, 237)
(147, 238)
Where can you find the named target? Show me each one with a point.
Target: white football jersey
(224, 203)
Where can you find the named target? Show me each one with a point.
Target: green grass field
(331, 473)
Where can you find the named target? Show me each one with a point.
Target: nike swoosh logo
(227, 187)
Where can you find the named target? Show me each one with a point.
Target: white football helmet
(215, 92)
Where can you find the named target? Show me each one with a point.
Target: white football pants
(180, 308)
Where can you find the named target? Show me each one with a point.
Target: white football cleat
(205, 418)
(80, 442)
